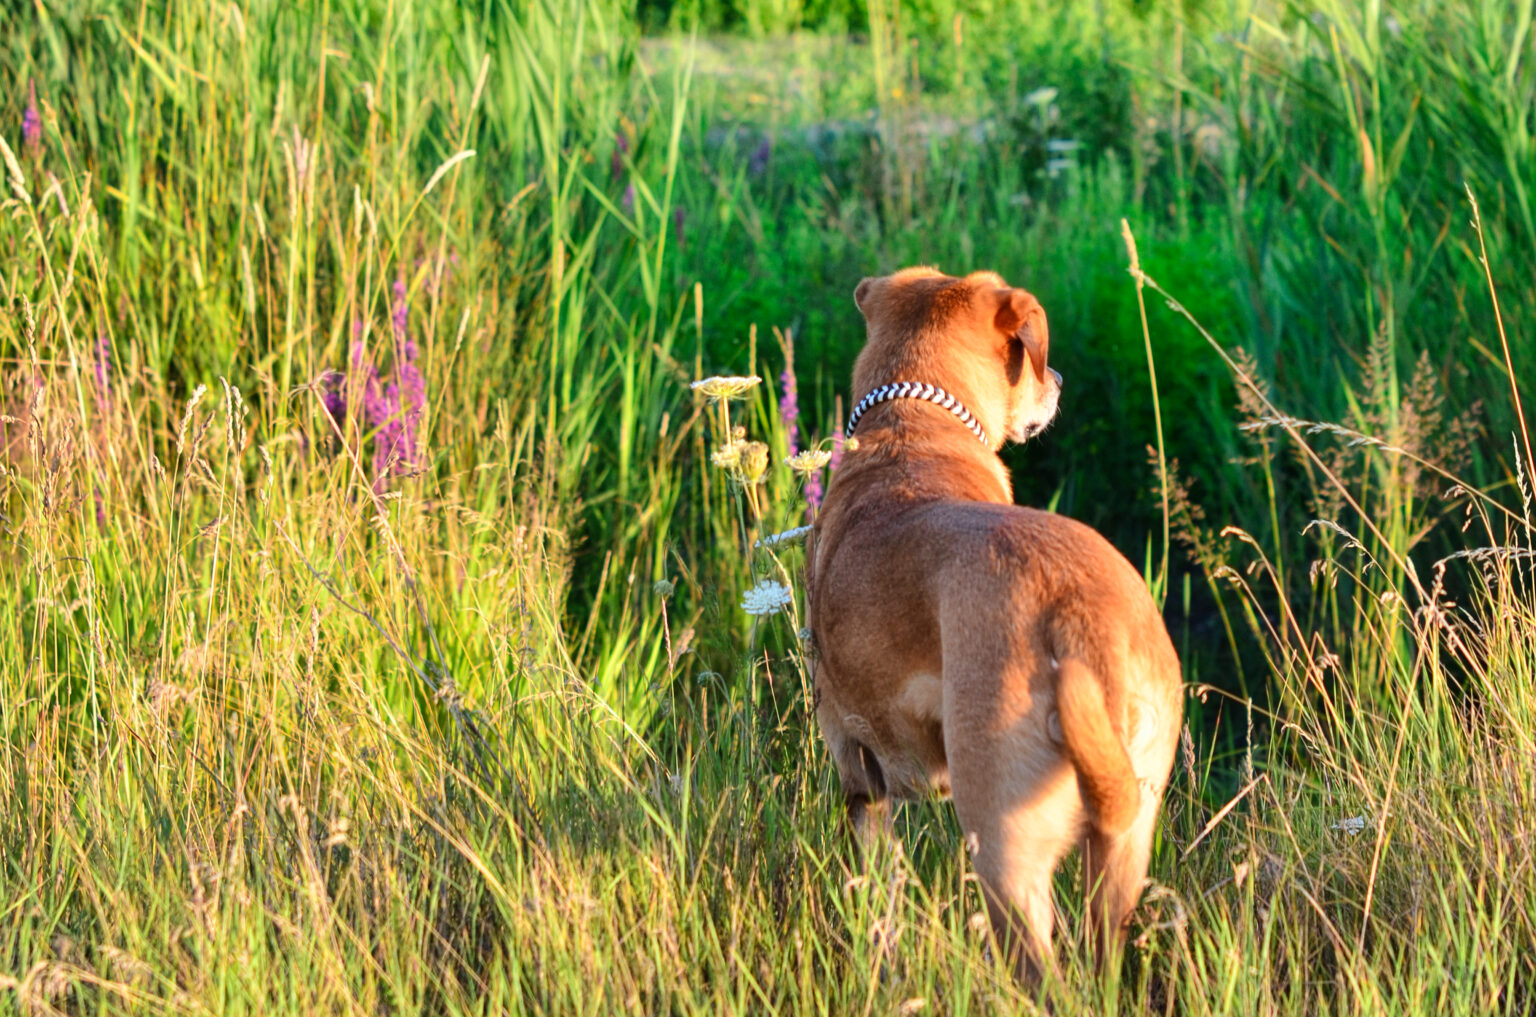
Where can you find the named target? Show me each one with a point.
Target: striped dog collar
(916, 390)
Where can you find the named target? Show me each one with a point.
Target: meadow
(372, 634)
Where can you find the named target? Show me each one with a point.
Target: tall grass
(371, 638)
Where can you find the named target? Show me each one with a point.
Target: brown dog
(970, 645)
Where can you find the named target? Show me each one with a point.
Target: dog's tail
(1104, 773)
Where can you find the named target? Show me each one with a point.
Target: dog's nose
(1056, 374)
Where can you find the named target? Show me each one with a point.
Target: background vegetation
(371, 638)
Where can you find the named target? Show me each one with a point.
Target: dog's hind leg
(868, 800)
(848, 737)
(1115, 862)
(1014, 851)
(1019, 808)
(1114, 871)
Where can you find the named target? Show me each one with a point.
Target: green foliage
(451, 706)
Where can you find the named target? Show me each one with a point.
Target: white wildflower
(727, 456)
(725, 386)
(1352, 825)
(769, 596)
(784, 539)
(808, 462)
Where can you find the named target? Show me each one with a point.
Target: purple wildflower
(334, 395)
(789, 407)
(375, 408)
(679, 217)
(409, 388)
(837, 451)
(101, 508)
(32, 121)
(411, 401)
(388, 444)
(391, 410)
(395, 445)
(789, 412)
(103, 365)
(757, 162)
(629, 198)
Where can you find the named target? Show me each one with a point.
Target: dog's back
(905, 594)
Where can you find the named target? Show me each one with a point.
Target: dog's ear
(1021, 320)
(861, 294)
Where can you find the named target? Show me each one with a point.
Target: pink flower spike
(32, 122)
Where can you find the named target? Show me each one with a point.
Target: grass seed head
(13, 173)
(186, 418)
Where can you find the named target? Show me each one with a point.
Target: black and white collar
(917, 390)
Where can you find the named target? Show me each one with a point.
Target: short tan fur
(1009, 657)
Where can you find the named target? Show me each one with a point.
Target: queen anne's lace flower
(788, 537)
(727, 456)
(725, 386)
(769, 596)
(809, 461)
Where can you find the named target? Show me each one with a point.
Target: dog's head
(981, 339)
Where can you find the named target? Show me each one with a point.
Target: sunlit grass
(322, 696)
